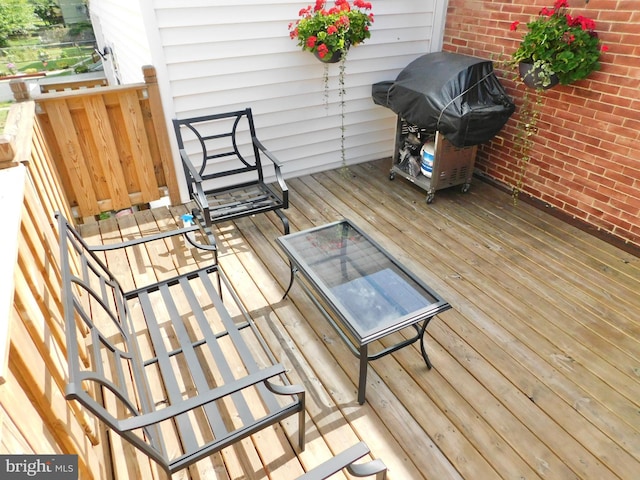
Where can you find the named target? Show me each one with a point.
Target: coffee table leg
(362, 382)
(293, 274)
(422, 347)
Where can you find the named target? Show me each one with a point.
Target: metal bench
(166, 365)
(224, 172)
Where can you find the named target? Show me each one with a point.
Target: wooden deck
(536, 368)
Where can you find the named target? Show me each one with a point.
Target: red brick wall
(585, 161)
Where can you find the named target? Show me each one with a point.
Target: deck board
(536, 368)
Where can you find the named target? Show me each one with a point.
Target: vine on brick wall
(526, 129)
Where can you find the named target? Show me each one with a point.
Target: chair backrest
(105, 373)
(221, 145)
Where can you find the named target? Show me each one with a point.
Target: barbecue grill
(452, 101)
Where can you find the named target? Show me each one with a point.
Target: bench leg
(206, 227)
(301, 427)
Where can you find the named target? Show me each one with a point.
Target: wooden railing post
(20, 90)
(155, 103)
(15, 146)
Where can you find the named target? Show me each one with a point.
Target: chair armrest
(186, 161)
(278, 170)
(285, 389)
(267, 153)
(200, 400)
(199, 196)
(157, 236)
(346, 460)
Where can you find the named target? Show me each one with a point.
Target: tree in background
(48, 11)
(16, 18)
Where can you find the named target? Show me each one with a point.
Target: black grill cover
(457, 95)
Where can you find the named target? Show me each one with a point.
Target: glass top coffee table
(362, 291)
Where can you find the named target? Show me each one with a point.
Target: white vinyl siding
(118, 25)
(220, 55)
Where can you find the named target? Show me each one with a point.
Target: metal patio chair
(223, 164)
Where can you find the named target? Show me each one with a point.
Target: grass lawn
(31, 59)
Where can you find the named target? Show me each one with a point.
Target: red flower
(311, 41)
(362, 4)
(343, 5)
(584, 22)
(322, 50)
(331, 29)
(604, 48)
(514, 26)
(319, 5)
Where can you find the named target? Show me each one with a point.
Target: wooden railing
(34, 416)
(109, 144)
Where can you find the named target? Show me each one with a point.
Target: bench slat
(239, 343)
(164, 363)
(223, 367)
(213, 414)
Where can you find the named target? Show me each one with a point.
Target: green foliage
(16, 18)
(557, 43)
(48, 11)
(80, 27)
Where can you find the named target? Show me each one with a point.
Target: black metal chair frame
(146, 397)
(240, 190)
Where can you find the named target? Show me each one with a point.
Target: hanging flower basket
(334, 58)
(534, 77)
(560, 44)
(327, 32)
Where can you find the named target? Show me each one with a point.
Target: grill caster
(465, 187)
(392, 175)
(430, 197)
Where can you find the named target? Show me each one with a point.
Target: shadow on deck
(536, 368)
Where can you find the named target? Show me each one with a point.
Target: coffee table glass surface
(363, 291)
